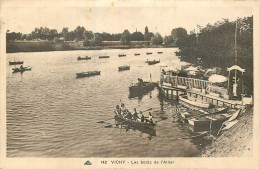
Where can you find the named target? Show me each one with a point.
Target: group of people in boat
(123, 111)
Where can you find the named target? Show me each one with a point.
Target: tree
(179, 33)
(137, 36)
(147, 36)
(65, 34)
(168, 40)
(97, 41)
(53, 33)
(88, 35)
(157, 39)
(126, 37)
(79, 33)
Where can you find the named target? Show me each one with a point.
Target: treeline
(90, 38)
(214, 46)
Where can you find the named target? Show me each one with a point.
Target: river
(51, 113)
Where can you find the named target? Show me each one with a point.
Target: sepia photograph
(151, 81)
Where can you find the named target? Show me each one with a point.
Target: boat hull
(103, 57)
(153, 62)
(123, 68)
(121, 55)
(87, 74)
(140, 89)
(16, 63)
(184, 99)
(21, 70)
(86, 58)
(120, 119)
(198, 125)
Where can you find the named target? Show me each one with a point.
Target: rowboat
(153, 62)
(184, 99)
(130, 122)
(185, 114)
(85, 58)
(208, 122)
(101, 57)
(136, 54)
(15, 62)
(87, 74)
(21, 69)
(159, 52)
(149, 53)
(121, 68)
(121, 55)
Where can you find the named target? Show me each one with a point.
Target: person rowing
(135, 115)
(142, 116)
(150, 118)
(128, 114)
(21, 67)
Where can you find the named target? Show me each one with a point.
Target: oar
(148, 109)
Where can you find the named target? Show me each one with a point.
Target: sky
(115, 19)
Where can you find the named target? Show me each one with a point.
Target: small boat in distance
(153, 62)
(149, 53)
(87, 74)
(121, 55)
(137, 54)
(21, 69)
(15, 62)
(121, 68)
(159, 52)
(85, 58)
(101, 57)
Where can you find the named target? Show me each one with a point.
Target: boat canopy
(191, 69)
(235, 67)
(217, 78)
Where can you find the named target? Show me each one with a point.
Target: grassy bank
(41, 46)
(235, 142)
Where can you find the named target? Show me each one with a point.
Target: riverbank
(43, 46)
(235, 142)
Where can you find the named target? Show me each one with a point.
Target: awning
(191, 69)
(235, 67)
(217, 78)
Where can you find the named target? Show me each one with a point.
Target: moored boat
(121, 68)
(141, 87)
(15, 62)
(184, 99)
(153, 62)
(21, 69)
(102, 57)
(85, 58)
(208, 122)
(121, 55)
(87, 74)
(186, 114)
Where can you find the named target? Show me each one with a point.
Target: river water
(51, 113)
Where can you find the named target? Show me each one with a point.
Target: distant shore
(43, 46)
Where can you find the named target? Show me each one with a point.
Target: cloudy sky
(115, 18)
